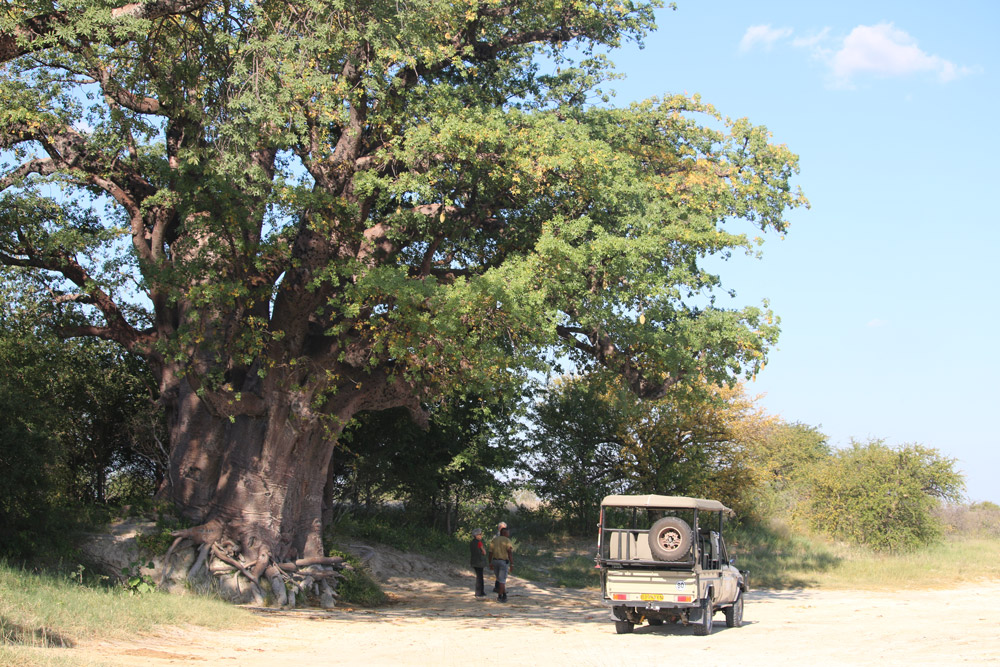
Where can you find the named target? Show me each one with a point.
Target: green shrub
(882, 497)
(357, 586)
(157, 540)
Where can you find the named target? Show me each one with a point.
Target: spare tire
(670, 539)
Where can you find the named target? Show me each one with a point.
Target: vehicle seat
(708, 545)
(713, 550)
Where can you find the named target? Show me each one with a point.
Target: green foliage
(793, 450)
(134, 581)
(357, 586)
(436, 472)
(883, 497)
(401, 530)
(590, 437)
(703, 441)
(787, 456)
(156, 541)
(573, 448)
(67, 443)
(474, 209)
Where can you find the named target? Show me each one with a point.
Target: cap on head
(477, 531)
(501, 525)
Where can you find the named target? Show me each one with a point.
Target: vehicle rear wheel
(734, 614)
(670, 539)
(704, 628)
(624, 627)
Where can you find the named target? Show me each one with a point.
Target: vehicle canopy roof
(666, 502)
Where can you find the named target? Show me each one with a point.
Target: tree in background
(793, 449)
(702, 441)
(454, 464)
(790, 453)
(590, 437)
(573, 445)
(66, 435)
(883, 497)
(297, 212)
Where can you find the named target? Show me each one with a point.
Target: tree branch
(602, 348)
(43, 31)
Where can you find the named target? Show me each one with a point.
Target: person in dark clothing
(478, 560)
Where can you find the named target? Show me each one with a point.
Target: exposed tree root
(302, 582)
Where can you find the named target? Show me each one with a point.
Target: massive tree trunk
(262, 477)
(253, 483)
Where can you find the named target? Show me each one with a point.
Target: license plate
(650, 596)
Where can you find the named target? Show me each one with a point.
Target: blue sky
(887, 287)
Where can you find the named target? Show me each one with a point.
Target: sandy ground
(435, 621)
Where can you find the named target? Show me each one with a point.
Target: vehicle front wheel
(704, 628)
(624, 627)
(734, 614)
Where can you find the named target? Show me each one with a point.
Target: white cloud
(885, 50)
(877, 323)
(880, 50)
(813, 41)
(763, 34)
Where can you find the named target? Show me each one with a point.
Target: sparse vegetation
(358, 587)
(49, 610)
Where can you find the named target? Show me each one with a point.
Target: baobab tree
(296, 211)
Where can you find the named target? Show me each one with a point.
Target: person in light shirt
(502, 559)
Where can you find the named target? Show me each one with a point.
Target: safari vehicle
(663, 558)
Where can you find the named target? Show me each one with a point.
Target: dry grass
(779, 558)
(40, 612)
(955, 561)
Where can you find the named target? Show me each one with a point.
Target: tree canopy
(882, 496)
(589, 437)
(68, 426)
(298, 211)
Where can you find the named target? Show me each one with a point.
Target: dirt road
(436, 621)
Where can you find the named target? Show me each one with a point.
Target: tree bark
(254, 483)
(261, 477)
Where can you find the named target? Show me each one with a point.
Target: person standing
(496, 584)
(502, 559)
(478, 558)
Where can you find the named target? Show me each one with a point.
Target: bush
(976, 519)
(883, 497)
(357, 586)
